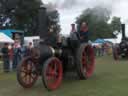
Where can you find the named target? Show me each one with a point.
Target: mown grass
(110, 79)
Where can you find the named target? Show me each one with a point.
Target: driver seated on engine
(83, 32)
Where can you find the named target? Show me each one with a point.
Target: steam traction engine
(51, 60)
(121, 50)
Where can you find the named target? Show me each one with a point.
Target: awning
(99, 41)
(5, 39)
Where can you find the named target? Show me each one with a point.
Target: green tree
(23, 15)
(54, 20)
(116, 24)
(20, 12)
(97, 20)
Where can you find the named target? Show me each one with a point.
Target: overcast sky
(70, 9)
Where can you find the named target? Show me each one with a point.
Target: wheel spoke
(23, 77)
(33, 76)
(29, 79)
(23, 71)
(50, 72)
(84, 59)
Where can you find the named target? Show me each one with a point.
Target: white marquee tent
(5, 39)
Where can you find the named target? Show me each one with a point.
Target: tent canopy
(5, 39)
(9, 32)
(99, 41)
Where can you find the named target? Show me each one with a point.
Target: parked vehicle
(121, 50)
(50, 59)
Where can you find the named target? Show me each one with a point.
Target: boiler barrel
(45, 52)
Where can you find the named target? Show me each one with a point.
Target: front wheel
(52, 73)
(27, 73)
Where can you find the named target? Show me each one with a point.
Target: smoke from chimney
(70, 9)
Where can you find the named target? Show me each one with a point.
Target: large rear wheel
(85, 61)
(52, 73)
(27, 74)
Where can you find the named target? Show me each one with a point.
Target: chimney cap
(72, 24)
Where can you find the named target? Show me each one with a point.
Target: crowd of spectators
(12, 54)
(102, 49)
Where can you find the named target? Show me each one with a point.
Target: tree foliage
(22, 15)
(97, 19)
(116, 24)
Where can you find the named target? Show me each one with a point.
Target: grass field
(110, 79)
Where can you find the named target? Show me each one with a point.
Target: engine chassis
(51, 62)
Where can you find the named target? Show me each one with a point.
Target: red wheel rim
(28, 74)
(54, 74)
(88, 61)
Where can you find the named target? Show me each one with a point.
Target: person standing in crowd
(29, 49)
(23, 51)
(95, 50)
(99, 50)
(11, 56)
(5, 52)
(84, 32)
(17, 54)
